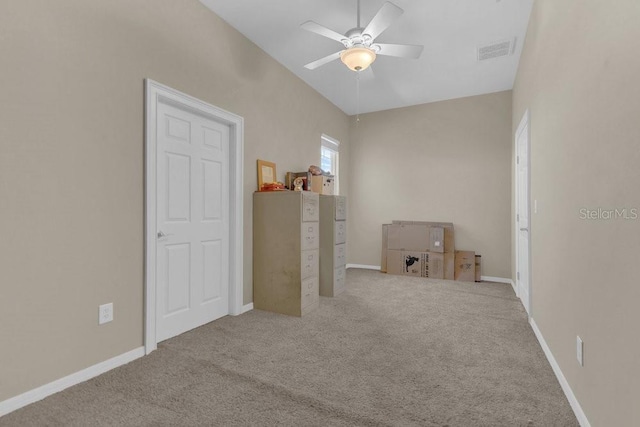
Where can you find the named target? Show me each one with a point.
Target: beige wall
(445, 161)
(578, 77)
(71, 162)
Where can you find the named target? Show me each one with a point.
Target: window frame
(332, 144)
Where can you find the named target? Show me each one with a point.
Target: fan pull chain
(358, 97)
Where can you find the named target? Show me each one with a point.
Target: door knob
(161, 234)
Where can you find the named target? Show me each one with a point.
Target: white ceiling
(450, 30)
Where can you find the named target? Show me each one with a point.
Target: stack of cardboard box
(426, 249)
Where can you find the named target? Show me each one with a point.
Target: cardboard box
(436, 265)
(407, 263)
(465, 270)
(436, 239)
(383, 258)
(408, 237)
(478, 268)
(322, 184)
(449, 265)
(415, 263)
(395, 262)
(449, 235)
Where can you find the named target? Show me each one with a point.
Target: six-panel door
(192, 220)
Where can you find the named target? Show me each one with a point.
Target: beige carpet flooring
(390, 351)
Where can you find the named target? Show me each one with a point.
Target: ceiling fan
(360, 50)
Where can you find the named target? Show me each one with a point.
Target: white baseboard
(573, 401)
(247, 307)
(56, 386)
(484, 278)
(365, 267)
(499, 280)
(496, 279)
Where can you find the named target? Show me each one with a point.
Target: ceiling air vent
(496, 50)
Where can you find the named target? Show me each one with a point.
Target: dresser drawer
(310, 235)
(339, 276)
(340, 255)
(340, 232)
(309, 291)
(309, 264)
(310, 207)
(341, 208)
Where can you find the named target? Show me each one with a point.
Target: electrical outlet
(535, 206)
(105, 313)
(579, 350)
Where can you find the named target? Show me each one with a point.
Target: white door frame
(524, 122)
(155, 93)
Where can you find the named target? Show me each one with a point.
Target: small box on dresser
(285, 252)
(333, 247)
(322, 184)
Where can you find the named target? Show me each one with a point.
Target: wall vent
(497, 50)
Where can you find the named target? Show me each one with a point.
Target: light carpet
(390, 351)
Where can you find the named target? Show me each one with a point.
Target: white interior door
(192, 246)
(522, 213)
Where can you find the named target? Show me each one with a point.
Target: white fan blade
(322, 30)
(315, 64)
(388, 13)
(400, 50)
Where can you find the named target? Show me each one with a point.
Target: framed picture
(266, 173)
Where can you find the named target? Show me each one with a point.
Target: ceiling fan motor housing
(355, 37)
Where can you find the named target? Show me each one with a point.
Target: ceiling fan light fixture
(358, 58)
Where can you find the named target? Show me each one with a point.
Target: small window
(329, 159)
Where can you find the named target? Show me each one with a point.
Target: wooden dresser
(285, 251)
